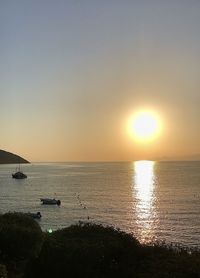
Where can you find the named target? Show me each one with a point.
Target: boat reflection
(143, 193)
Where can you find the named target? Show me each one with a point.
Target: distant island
(10, 158)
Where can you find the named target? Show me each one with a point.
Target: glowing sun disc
(144, 125)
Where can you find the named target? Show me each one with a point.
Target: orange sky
(73, 73)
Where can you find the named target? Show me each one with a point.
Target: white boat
(48, 201)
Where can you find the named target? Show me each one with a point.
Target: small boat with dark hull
(48, 201)
(19, 175)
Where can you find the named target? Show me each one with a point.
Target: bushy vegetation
(20, 241)
(87, 250)
(20, 236)
(3, 271)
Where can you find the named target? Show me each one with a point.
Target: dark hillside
(10, 158)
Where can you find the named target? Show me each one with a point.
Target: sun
(144, 126)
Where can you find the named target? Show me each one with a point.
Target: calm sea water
(152, 200)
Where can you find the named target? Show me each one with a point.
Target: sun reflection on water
(144, 195)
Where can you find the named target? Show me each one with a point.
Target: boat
(35, 215)
(19, 174)
(48, 201)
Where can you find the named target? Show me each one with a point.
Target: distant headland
(11, 158)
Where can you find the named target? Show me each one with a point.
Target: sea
(154, 201)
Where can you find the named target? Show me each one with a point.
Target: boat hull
(19, 175)
(50, 201)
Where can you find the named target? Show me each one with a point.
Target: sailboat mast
(18, 165)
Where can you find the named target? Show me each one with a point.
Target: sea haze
(152, 200)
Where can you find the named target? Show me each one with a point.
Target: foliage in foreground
(87, 250)
(21, 239)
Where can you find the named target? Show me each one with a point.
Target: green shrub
(94, 251)
(20, 237)
(86, 251)
(3, 271)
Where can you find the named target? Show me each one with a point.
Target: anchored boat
(48, 201)
(19, 174)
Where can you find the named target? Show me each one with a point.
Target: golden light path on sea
(143, 191)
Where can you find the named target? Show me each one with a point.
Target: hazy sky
(72, 72)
